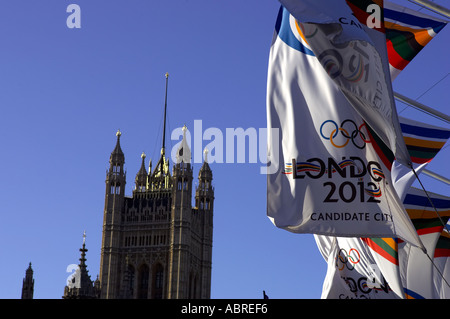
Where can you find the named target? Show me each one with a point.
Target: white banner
(355, 57)
(331, 179)
(353, 272)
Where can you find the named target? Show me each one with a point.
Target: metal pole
(163, 150)
(433, 7)
(436, 176)
(425, 108)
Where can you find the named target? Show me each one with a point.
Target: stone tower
(28, 284)
(155, 244)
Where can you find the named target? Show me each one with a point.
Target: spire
(141, 176)
(205, 170)
(160, 178)
(82, 286)
(117, 155)
(28, 284)
(204, 195)
(184, 152)
(83, 253)
(163, 150)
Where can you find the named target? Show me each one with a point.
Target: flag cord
(440, 218)
(429, 199)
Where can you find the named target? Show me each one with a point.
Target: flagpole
(163, 150)
(433, 7)
(436, 176)
(423, 107)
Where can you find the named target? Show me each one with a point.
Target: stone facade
(155, 244)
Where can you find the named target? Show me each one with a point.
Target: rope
(429, 199)
(440, 218)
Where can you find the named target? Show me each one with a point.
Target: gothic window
(131, 280)
(143, 282)
(158, 281)
(115, 189)
(193, 281)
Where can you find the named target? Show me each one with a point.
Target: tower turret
(182, 174)
(204, 200)
(112, 219)
(81, 286)
(204, 194)
(181, 222)
(116, 176)
(28, 284)
(141, 176)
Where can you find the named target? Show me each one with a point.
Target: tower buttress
(181, 222)
(204, 200)
(114, 205)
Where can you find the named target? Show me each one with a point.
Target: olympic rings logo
(345, 127)
(348, 260)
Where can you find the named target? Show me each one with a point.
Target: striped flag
(416, 268)
(407, 32)
(423, 214)
(423, 142)
(443, 245)
(385, 247)
(442, 262)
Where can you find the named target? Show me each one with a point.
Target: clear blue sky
(65, 92)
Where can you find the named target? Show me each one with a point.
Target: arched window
(193, 281)
(116, 169)
(130, 280)
(143, 282)
(157, 281)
